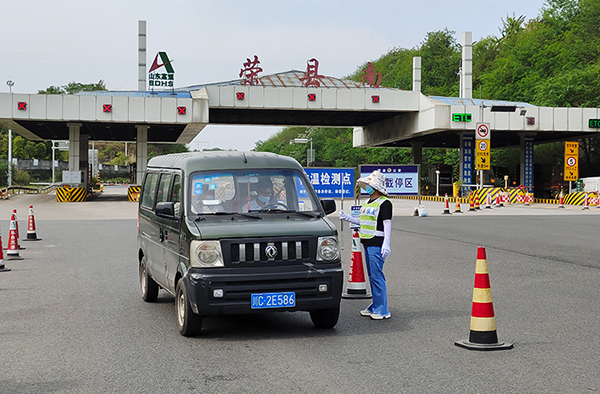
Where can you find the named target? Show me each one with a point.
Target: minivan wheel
(188, 323)
(148, 285)
(325, 318)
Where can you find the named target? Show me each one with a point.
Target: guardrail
(27, 190)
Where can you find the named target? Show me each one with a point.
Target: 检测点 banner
(331, 182)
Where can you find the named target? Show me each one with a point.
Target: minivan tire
(325, 318)
(188, 323)
(148, 285)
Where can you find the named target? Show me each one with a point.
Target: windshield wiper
(248, 215)
(202, 216)
(304, 213)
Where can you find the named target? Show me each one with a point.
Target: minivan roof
(218, 160)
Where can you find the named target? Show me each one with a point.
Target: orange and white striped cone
(488, 201)
(446, 206)
(3, 268)
(526, 198)
(31, 232)
(561, 203)
(483, 334)
(498, 201)
(17, 224)
(471, 203)
(356, 286)
(457, 205)
(585, 201)
(12, 252)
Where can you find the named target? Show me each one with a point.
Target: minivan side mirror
(166, 209)
(328, 206)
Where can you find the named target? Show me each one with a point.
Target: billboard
(331, 182)
(400, 180)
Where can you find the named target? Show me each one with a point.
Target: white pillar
(416, 74)
(74, 151)
(467, 66)
(9, 157)
(141, 149)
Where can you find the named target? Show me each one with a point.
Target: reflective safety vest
(368, 219)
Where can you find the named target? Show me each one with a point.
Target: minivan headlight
(206, 254)
(327, 249)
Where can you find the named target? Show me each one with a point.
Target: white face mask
(263, 199)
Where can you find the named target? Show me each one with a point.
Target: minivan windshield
(251, 191)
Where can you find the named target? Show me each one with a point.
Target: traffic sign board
(482, 155)
(482, 131)
(571, 148)
(571, 172)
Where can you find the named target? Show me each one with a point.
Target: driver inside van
(264, 188)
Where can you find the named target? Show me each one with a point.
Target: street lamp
(506, 181)
(437, 183)
(310, 156)
(10, 85)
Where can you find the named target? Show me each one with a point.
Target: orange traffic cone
(457, 205)
(483, 334)
(476, 199)
(13, 241)
(498, 201)
(356, 286)
(446, 207)
(471, 203)
(31, 233)
(17, 224)
(2, 266)
(585, 201)
(561, 203)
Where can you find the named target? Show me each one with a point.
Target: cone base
(356, 295)
(4, 269)
(17, 257)
(31, 239)
(446, 213)
(483, 346)
(457, 211)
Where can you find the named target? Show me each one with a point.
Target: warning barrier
(66, 193)
(133, 193)
(356, 286)
(482, 335)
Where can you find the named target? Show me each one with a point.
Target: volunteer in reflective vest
(375, 231)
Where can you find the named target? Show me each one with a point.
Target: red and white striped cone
(31, 232)
(356, 286)
(17, 224)
(3, 268)
(526, 198)
(12, 252)
(483, 334)
(561, 203)
(585, 201)
(488, 201)
(498, 201)
(446, 206)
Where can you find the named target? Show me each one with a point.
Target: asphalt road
(72, 319)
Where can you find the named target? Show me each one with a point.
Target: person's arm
(349, 218)
(387, 235)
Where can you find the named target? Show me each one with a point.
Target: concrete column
(467, 66)
(83, 159)
(141, 150)
(74, 150)
(142, 56)
(417, 152)
(416, 74)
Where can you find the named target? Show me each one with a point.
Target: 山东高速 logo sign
(158, 77)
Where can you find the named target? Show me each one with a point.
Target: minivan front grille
(271, 251)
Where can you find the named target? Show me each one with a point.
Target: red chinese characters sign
(312, 74)
(372, 78)
(250, 71)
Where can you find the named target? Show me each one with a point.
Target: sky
(45, 43)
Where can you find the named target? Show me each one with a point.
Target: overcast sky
(46, 43)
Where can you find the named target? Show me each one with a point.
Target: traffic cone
(476, 199)
(585, 201)
(561, 203)
(488, 201)
(2, 266)
(12, 252)
(471, 203)
(457, 205)
(17, 224)
(31, 233)
(483, 334)
(356, 286)
(446, 207)
(527, 198)
(498, 201)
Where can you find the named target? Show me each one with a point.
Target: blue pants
(377, 280)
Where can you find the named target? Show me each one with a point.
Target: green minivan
(235, 233)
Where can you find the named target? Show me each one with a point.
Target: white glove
(349, 218)
(387, 233)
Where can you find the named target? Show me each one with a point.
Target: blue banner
(330, 182)
(400, 180)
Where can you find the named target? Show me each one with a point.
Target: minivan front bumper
(237, 285)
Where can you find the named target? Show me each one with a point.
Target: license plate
(273, 300)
